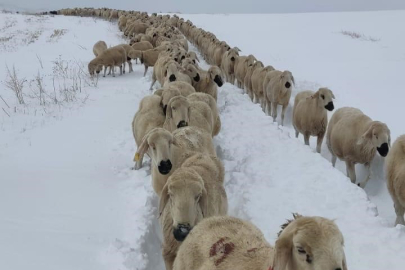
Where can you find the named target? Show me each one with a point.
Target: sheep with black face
(310, 114)
(354, 137)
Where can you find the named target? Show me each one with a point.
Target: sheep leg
(268, 107)
(399, 210)
(282, 115)
(306, 138)
(113, 71)
(146, 70)
(136, 61)
(130, 66)
(105, 70)
(319, 142)
(274, 113)
(153, 82)
(109, 72)
(364, 183)
(334, 158)
(351, 173)
(122, 68)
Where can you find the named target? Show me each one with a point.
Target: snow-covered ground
(69, 199)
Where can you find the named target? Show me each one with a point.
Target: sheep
(142, 45)
(169, 151)
(193, 57)
(223, 243)
(128, 49)
(149, 116)
(210, 101)
(161, 68)
(258, 79)
(354, 138)
(193, 192)
(218, 52)
(228, 64)
(209, 82)
(175, 72)
(309, 114)
(99, 48)
(149, 57)
(185, 88)
(248, 78)
(395, 169)
(278, 92)
(242, 63)
(109, 58)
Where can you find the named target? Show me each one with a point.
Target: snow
(70, 201)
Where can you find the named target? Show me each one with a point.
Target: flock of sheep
(175, 125)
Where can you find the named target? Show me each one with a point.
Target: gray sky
(213, 6)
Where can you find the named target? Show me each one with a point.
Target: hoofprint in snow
(70, 200)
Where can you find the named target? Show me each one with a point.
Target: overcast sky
(213, 6)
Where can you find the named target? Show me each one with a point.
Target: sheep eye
(173, 108)
(301, 251)
(322, 96)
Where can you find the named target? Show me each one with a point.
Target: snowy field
(69, 199)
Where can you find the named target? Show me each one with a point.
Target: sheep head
(379, 135)
(325, 97)
(310, 243)
(178, 112)
(157, 143)
(187, 196)
(215, 74)
(287, 79)
(167, 95)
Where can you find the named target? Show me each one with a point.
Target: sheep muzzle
(180, 233)
(383, 149)
(165, 167)
(218, 80)
(182, 124)
(197, 78)
(287, 84)
(172, 78)
(329, 106)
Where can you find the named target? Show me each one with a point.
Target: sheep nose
(197, 77)
(183, 57)
(180, 233)
(181, 124)
(175, 59)
(172, 78)
(194, 61)
(330, 106)
(164, 109)
(232, 58)
(218, 80)
(338, 269)
(383, 149)
(98, 71)
(165, 167)
(287, 84)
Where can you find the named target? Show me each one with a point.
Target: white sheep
(278, 92)
(228, 64)
(354, 138)
(395, 169)
(99, 48)
(175, 72)
(242, 63)
(210, 101)
(247, 81)
(109, 58)
(310, 114)
(223, 243)
(193, 192)
(209, 81)
(169, 150)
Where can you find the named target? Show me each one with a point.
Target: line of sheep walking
(351, 136)
(175, 127)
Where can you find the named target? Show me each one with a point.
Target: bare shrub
(15, 84)
(356, 35)
(57, 34)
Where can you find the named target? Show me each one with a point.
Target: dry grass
(356, 35)
(15, 84)
(57, 34)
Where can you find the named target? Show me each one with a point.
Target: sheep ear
(283, 251)
(236, 48)
(196, 57)
(204, 202)
(140, 152)
(164, 198)
(367, 135)
(293, 80)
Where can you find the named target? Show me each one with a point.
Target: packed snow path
(70, 200)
